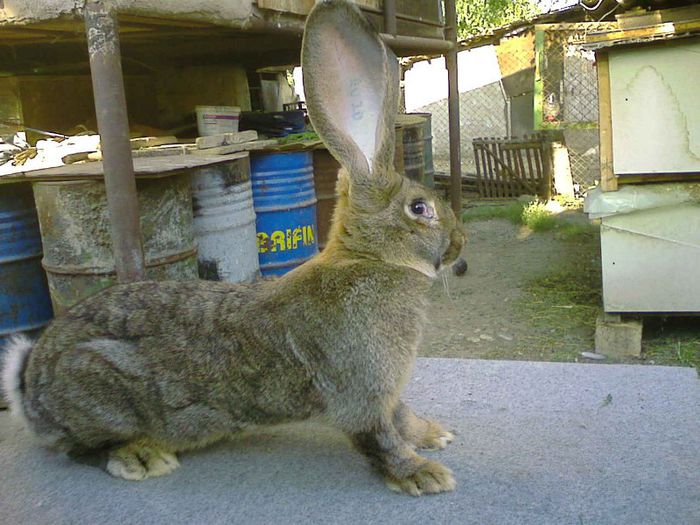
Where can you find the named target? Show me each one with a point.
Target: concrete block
(616, 337)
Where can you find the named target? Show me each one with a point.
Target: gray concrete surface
(537, 443)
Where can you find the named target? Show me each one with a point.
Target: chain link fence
(566, 94)
(481, 113)
(548, 84)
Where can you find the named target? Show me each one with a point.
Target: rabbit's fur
(152, 368)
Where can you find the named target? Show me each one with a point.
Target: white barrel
(214, 120)
(224, 222)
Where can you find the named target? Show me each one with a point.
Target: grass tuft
(511, 212)
(578, 232)
(538, 218)
(672, 341)
(562, 305)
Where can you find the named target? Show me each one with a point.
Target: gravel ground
(477, 315)
(535, 296)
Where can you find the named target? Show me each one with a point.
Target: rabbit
(145, 370)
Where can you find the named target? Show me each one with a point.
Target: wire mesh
(481, 114)
(584, 157)
(548, 82)
(566, 93)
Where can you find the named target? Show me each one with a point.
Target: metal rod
(416, 44)
(22, 127)
(453, 108)
(390, 17)
(506, 109)
(112, 123)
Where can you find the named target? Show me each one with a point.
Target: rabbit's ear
(351, 85)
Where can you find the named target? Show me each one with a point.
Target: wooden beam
(608, 181)
(642, 34)
(302, 7)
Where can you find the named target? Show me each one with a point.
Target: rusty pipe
(390, 17)
(416, 44)
(112, 123)
(453, 108)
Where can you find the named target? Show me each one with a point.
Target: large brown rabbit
(150, 369)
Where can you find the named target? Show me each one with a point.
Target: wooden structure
(647, 85)
(649, 132)
(508, 167)
(175, 53)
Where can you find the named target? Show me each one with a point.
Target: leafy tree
(475, 17)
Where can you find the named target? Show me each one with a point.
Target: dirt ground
(478, 315)
(535, 296)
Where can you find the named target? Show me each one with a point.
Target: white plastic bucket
(214, 120)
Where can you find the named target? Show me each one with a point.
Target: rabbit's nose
(460, 267)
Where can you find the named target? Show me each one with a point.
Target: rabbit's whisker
(446, 285)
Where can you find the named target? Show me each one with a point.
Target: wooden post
(608, 181)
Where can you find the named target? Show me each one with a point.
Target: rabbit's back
(188, 363)
(167, 360)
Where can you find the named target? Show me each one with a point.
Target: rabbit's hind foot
(431, 478)
(140, 459)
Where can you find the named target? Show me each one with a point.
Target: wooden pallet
(509, 167)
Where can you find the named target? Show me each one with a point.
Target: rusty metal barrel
(429, 176)
(326, 170)
(224, 221)
(414, 163)
(75, 233)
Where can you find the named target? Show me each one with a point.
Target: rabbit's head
(351, 82)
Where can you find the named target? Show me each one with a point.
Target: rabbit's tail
(16, 352)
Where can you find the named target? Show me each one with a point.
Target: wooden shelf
(147, 167)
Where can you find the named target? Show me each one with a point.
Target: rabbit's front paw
(137, 460)
(430, 478)
(435, 437)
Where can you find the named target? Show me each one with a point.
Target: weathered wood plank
(608, 181)
(477, 162)
(225, 139)
(142, 166)
(148, 142)
(302, 7)
(233, 148)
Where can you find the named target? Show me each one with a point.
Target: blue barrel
(25, 304)
(285, 206)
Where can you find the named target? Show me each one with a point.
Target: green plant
(672, 341)
(569, 202)
(575, 231)
(538, 218)
(475, 18)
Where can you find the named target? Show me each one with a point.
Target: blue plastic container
(285, 205)
(25, 304)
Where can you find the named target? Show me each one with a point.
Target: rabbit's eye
(421, 208)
